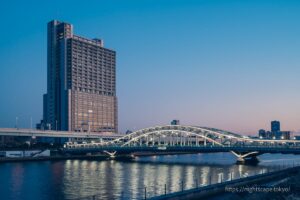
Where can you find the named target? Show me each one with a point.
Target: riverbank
(53, 158)
(141, 154)
(58, 156)
(291, 183)
(261, 186)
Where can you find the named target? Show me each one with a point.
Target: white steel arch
(177, 131)
(197, 131)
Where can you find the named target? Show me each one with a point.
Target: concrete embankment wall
(219, 188)
(144, 154)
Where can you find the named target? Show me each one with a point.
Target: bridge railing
(99, 146)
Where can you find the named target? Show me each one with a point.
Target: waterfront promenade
(243, 184)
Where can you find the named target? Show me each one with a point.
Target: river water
(80, 179)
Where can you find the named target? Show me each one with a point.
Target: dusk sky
(233, 65)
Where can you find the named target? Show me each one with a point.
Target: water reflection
(17, 178)
(74, 179)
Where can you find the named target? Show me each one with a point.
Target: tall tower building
(81, 82)
(275, 126)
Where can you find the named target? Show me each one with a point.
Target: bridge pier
(249, 157)
(112, 155)
(250, 160)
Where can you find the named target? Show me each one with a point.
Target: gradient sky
(228, 64)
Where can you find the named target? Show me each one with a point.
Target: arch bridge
(186, 139)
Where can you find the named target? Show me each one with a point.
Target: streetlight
(16, 122)
(89, 120)
(49, 126)
(56, 125)
(30, 122)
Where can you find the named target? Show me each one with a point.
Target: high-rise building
(81, 82)
(283, 135)
(275, 126)
(175, 122)
(262, 133)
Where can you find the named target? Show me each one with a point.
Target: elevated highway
(56, 134)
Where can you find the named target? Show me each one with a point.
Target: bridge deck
(51, 133)
(191, 149)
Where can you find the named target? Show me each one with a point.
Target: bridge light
(273, 137)
(260, 137)
(282, 137)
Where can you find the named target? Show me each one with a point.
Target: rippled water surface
(78, 179)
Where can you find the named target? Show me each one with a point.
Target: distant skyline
(232, 65)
